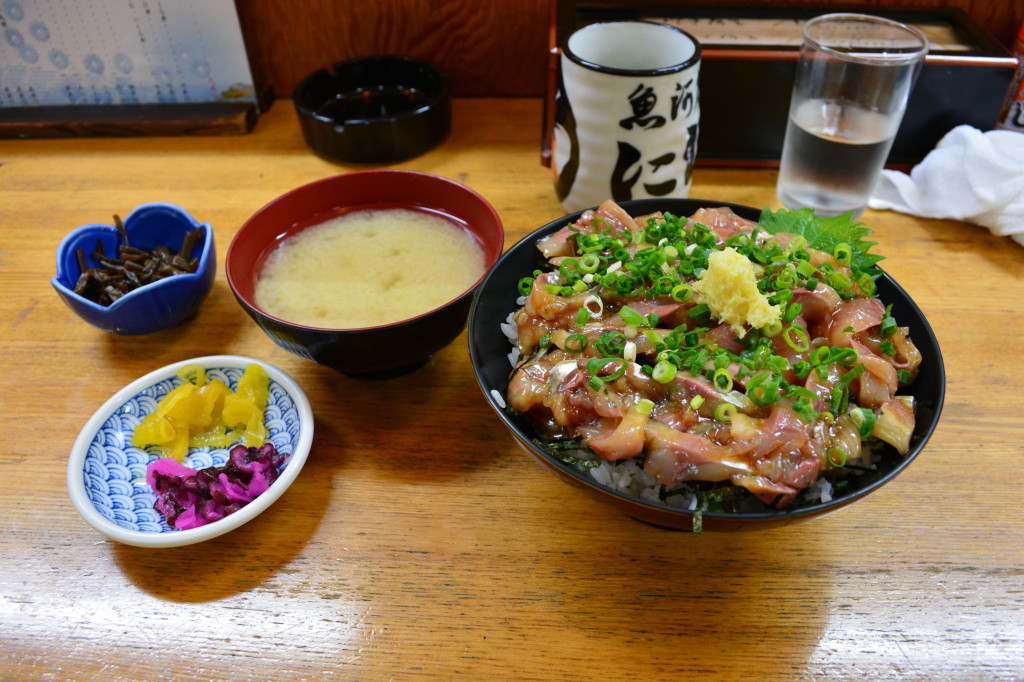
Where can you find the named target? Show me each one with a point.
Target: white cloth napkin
(970, 175)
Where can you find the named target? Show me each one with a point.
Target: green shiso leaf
(825, 234)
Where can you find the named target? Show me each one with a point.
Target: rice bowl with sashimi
(712, 363)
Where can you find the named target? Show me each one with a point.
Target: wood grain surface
(490, 49)
(419, 542)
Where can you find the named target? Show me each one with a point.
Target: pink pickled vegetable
(188, 498)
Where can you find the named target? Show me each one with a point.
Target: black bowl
(374, 109)
(489, 349)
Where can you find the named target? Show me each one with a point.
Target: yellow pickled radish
(254, 385)
(212, 395)
(193, 374)
(178, 447)
(242, 415)
(169, 403)
(206, 413)
(217, 437)
(153, 430)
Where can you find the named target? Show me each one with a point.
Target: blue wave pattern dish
(115, 471)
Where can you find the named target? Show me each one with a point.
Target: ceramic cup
(626, 113)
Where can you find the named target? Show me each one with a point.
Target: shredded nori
(559, 449)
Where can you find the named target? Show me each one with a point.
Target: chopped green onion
(854, 372)
(864, 419)
(765, 389)
(792, 311)
(786, 279)
(845, 357)
(840, 281)
(888, 327)
(681, 292)
(843, 253)
(797, 243)
(630, 316)
(773, 329)
(801, 343)
(579, 286)
(664, 372)
(611, 343)
(698, 311)
(836, 457)
(645, 406)
(805, 410)
(544, 341)
(524, 286)
(594, 301)
(806, 269)
(724, 412)
(889, 348)
(903, 376)
(840, 397)
(801, 369)
(589, 263)
(654, 338)
(697, 401)
(722, 380)
(777, 362)
(569, 266)
(800, 392)
(595, 365)
(582, 317)
(629, 352)
(576, 343)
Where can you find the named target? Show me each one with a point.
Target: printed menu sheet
(121, 52)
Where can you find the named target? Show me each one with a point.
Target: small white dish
(107, 475)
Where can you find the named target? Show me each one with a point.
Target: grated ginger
(729, 288)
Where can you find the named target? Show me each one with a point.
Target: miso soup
(369, 268)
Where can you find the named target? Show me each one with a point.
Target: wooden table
(419, 542)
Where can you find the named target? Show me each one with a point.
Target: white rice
(820, 490)
(498, 398)
(628, 477)
(511, 331)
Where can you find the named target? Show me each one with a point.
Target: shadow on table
(756, 596)
(242, 559)
(429, 425)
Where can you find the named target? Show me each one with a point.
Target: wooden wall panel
(489, 47)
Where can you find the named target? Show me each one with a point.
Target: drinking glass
(853, 78)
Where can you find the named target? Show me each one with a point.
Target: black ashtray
(374, 109)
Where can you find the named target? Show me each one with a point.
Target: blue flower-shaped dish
(153, 307)
(107, 474)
